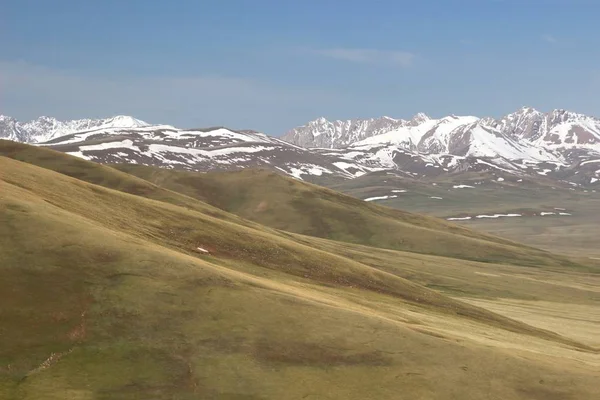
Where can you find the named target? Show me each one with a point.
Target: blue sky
(272, 65)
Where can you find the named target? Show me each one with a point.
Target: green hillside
(287, 204)
(105, 294)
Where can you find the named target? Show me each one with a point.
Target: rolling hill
(115, 287)
(283, 203)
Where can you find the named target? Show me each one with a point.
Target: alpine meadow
(308, 200)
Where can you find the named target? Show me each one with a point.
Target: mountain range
(560, 145)
(524, 134)
(47, 128)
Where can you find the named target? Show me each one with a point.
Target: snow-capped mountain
(202, 150)
(559, 129)
(338, 134)
(516, 133)
(526, 141)
(560, 146)
(47, 128)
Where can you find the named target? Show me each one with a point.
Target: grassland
(286, 204)
(104, 295)
(574, 234)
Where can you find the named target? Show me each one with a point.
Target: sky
(271, 65)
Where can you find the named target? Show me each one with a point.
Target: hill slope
(112, 299)
(283, 203)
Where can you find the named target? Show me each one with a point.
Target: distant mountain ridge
(45, 128)
(339, 134)
(521, 130)
(561, 145)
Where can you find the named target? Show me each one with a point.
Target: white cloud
(369, 56)
(549, 38)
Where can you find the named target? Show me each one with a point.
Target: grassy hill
(105, 294)
(287, 204)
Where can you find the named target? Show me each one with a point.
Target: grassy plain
(575, 234)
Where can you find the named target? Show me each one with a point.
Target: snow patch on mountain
(380, 198)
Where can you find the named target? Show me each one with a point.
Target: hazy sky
(271, 65)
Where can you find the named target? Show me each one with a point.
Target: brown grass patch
(313, 354)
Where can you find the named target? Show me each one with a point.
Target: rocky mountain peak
(421, 117)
